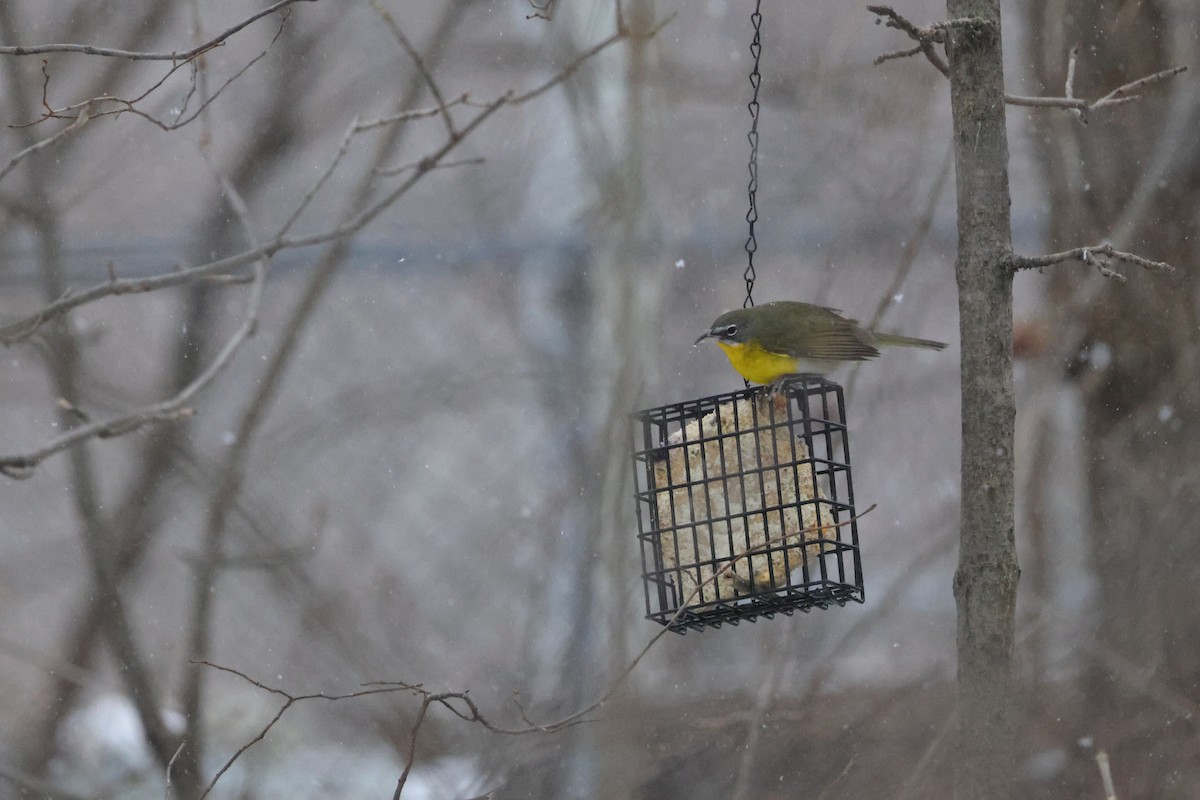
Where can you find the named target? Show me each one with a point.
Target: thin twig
(1110, 791)
(338, 155)
(262, 734)
(405, 116)
(1133, 87)
(80, 120)
(356, 127)
(845, 771)
(367, 690)
(402, 168)
(412, 748)
(169, 767)
(912, 51)
(1072, 62)
(261, 266)
(1069, 84)
(133, 55)
(398, 33)
(129, 106)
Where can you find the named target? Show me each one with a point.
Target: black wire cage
(745, 505)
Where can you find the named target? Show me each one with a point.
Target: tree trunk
(986, 582)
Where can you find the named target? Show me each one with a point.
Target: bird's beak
(703, 336)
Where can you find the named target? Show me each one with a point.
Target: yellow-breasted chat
(768, 342)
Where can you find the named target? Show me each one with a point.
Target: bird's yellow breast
(757, 365)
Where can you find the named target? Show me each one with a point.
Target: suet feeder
(745, 505)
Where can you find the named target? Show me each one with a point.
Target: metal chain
(752, 214)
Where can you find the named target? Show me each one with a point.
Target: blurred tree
(236, 166)
(1131, 178)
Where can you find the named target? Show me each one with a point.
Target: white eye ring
(730, 330)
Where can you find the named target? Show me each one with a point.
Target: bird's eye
(730, 330)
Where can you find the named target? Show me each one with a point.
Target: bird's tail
(896, 340)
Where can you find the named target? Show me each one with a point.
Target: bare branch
(402, 168)
(1125, 93)
(1110, 791)
(1136, 86)
(912, 51)
(169, 767)
(80, 120)
(412, 748)
(133, 55)
(291, 700)
(358, 212)
(23, 328)
(176, 407)
(129, 106)
(1089, 256)
(398, 33)
(845, 771)
(22, 466)
(1072, 103)
(926, 37)
(262, 734)
(405, 116)
(19, 330)
(460, 704)
(1072, 63)
(356, 127)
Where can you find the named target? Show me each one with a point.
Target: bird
(770, 342)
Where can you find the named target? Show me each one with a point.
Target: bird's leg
(776, 387)
(779, 385)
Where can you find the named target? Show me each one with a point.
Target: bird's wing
(825, 336)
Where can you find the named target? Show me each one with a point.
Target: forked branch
(22, 465)
(137, 55)
(928, 36)
(460, 703)
(1098, 256)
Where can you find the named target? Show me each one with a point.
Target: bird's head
(732, 327)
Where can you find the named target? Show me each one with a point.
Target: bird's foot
(778, 387)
